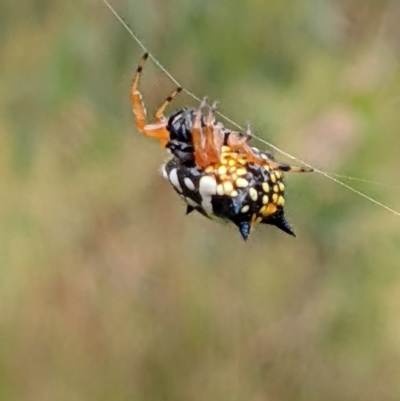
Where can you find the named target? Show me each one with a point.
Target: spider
(213, 168)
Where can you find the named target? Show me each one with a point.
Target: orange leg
(213, 133)
(160, 112)
(239, 142)
(200, 155)
(157, 130)
(136, 98)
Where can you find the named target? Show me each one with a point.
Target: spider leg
(274, 164)
(239, 142)
(210, 118)
(264, 159)
(249, 134)
(288, 167)
(158, 130)
(160, 112)
(200, 156)
(136, 98)
(214, 139)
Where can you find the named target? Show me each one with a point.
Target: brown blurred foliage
(109, 292)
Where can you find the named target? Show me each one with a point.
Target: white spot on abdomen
(207, 188)
(164, 172)
(245, 209)
(173, 177)
(189, 183)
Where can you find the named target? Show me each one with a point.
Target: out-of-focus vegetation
(109, 292)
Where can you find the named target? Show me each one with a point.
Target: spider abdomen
(232, 190)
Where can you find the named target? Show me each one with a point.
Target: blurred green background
(109, 292)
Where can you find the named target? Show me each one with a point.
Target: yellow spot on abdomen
(245, 209)
(253, 194)
(268, 210)
(241, 171)
(222, 170)
(242, 183)
(228, 187)
(265, 187)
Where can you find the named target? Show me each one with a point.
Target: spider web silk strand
(288, 155)
(363, 180)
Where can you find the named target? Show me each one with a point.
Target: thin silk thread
(288, 155)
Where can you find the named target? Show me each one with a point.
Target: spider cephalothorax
(180, 137)
(213, 168)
